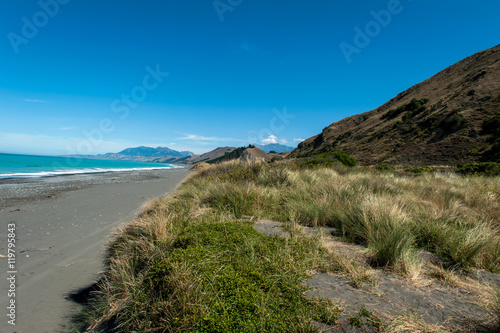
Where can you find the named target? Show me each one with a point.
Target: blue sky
(87, 76)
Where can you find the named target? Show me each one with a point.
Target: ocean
(26, 166)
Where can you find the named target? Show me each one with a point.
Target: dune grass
(182, 268)
(455, 217)
(188, 264)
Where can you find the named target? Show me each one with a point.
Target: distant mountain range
(154, 152)
(275, 147)
(450, 118)
(167, 155)
(141, 154)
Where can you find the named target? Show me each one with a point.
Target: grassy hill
(448, 119)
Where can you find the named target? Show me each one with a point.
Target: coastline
(62, 225)
(24, 190)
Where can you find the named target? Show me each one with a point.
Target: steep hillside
(441, 121)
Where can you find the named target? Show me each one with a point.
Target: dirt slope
(442, 127)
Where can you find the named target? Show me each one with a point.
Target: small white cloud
(35, 100)
(270, 139)
(298, 140)
(283, 141)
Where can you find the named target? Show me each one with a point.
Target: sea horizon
(15, 165)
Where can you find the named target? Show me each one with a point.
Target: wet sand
(62, 227)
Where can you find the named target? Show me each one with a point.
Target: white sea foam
(81, 171)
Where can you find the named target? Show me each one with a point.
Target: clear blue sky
(237, 73)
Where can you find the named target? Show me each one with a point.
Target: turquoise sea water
(42, 166)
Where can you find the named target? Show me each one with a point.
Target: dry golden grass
(394, 217)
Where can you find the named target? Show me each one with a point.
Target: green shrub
(413, 108)
(420, 169)
(492, 126)
(485, 169)
(345, 159)
(492, 154)
(330, 159)
(452, 122)
(384, 167)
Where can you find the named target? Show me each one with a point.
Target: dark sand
(62, 226)
(392, 296)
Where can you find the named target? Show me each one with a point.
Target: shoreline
(63, 224)
(24, 190)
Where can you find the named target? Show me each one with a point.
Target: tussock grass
(357, 273)
(175, 269)
(184, 265)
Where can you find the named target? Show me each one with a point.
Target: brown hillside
(443, 126)
(247, 154)
(218, 152)
(213, 154)
(255, 154)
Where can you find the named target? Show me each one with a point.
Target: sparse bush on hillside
(345, 159)
(342, 137)
(485, 169)
(330, 159)
(452, 122)
(384, 167)
(413, 108)
(420, 169)
(492, 126)
(493, 154)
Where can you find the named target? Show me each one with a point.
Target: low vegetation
(416, 106)
(491, 126)
(328, 159)
(479, 169)
(191, 263)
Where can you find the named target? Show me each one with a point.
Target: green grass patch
(250, 282)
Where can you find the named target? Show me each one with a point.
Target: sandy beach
(61, 227)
